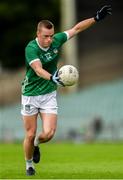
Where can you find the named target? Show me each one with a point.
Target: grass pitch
(65, 161)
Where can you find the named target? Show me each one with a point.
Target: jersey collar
(44, 49)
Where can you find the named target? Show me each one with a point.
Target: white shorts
(43, 103)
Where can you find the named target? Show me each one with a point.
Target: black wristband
(51, 77)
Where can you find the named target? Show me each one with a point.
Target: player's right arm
(35, 63)
(32, 59)
(37, 67)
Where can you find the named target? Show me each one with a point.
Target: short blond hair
(45, 23)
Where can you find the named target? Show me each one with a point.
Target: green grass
(65, 161)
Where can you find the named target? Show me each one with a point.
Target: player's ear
(37, 33)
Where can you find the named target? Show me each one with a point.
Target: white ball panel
(68, 75)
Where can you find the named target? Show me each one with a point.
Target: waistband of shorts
(53, 92)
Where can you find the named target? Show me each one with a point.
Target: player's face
(45, 37)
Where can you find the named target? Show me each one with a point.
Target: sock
(36, 141)
(29, 163)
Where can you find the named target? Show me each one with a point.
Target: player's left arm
(85, 24)
(81, 26)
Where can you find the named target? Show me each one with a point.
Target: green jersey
(32, 84)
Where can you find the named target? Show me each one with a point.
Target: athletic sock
(36, 141)
(29, 163)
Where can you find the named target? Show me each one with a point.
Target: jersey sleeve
(31, 54)
(61, 37)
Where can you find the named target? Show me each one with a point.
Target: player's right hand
(55, 79)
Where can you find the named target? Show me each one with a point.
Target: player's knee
(49, 134)
(31, 137)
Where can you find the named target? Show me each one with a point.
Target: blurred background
(93, 109)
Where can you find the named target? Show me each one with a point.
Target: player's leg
(48, 114)
(49, 123)
(30, 125)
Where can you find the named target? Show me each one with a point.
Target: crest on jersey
(55, 51)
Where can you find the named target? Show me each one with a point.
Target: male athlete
(40, 83)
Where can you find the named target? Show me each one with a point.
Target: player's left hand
(56, 79)
(103, 12)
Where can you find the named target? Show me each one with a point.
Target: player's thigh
(30, 123)
(49, 121)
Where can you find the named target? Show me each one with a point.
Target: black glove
(103, 12)
(55, 79)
